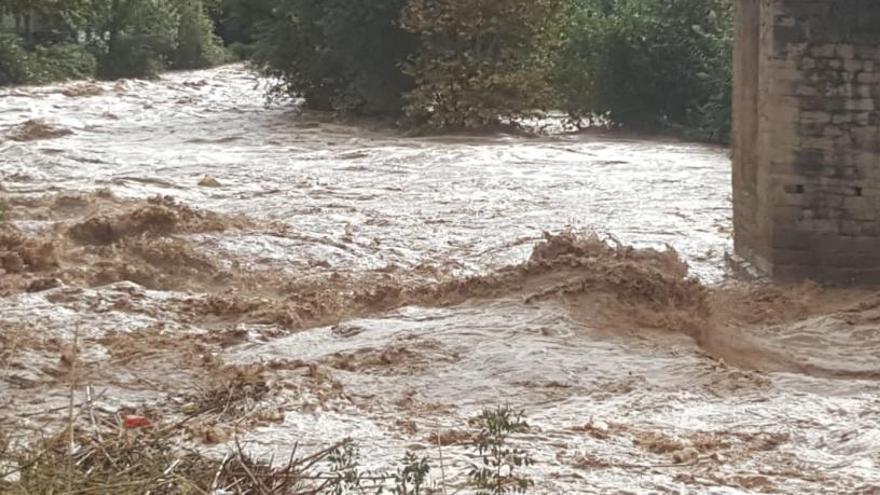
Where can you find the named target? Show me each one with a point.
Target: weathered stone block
(868, 78)
(850, 227)
(867, 52)
(864, 91)
(807, 90)
(815, 117)
(824, 51)
(862, 118)
(860, 104)
(852, 65)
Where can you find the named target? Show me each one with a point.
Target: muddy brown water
(315, 254)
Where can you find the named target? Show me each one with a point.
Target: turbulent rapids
(363, 284)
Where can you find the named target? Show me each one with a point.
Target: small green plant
(500, 469)
(412, 476)
(345, 475)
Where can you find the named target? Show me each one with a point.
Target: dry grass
(98, 452)
(147, 461)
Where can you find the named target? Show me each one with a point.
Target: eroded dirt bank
(281, 278)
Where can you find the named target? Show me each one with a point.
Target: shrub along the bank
(643, 64)
(481, 61)
(14, 61)
(339, 54)
(467, 63)
(61, 62)
(449, 63)
(197, 45)
(650, 65)
(145, 37)
(43, 64)
(109, 39)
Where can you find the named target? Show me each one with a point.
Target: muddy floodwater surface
(339, 279)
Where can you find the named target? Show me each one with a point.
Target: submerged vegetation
(108, 454)
(639, 64)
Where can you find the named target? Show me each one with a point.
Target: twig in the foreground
(442, 467)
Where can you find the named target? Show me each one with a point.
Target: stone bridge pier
(806, 139)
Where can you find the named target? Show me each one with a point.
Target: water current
(381, 286)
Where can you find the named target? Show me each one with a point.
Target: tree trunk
(28, 29)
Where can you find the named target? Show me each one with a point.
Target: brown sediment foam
(392, 360)
(599, 281)
(35, 129)
(803, 329)
(82, 90)
(20, 253)
(138, 245)
(652, 286)
(162, 216)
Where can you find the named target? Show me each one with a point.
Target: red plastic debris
(131, 422)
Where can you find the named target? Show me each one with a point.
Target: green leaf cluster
(197, 45)
(338, 54)
(501, 467)
(64, 39)
(482, 61)
(449, 63)
(650, 65)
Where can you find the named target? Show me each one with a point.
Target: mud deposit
(252, 272)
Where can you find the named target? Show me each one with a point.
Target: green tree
(15, 65)
(240, 21)
(63, 17)
(137, 37)
(338, 54)
(197, 45)
(650, 65)
(481, 61)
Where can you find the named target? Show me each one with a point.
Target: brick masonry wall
(807, 173)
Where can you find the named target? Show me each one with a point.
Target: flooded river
(360, 283)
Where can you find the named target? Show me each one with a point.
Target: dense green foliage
(61, 61)
(139, 38)
(650, 65)
(640, 64)
(482, 60)
(44, 63)
(14, 66)
(197, 45)
(65, 39)
(339, 54)
(239, 22)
